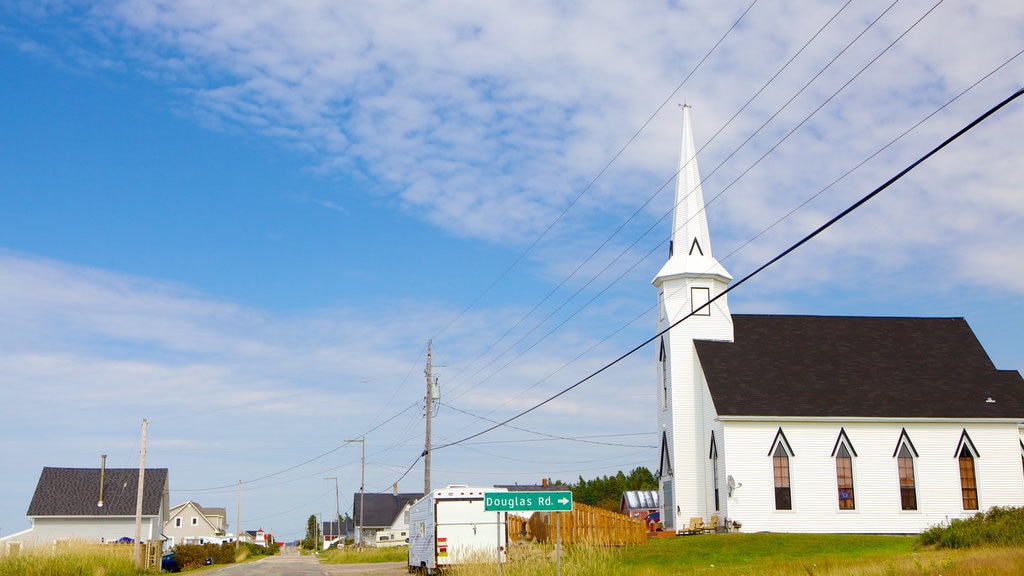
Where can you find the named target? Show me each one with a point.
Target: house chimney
(544, 482)
(394, 488)
(103, 473)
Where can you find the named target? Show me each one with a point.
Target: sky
(244, 221)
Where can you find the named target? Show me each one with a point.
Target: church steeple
(690, 248)
(686, 285)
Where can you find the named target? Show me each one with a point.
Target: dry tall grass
(368, 555)
(70, 558)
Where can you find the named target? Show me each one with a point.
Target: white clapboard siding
(876, 480)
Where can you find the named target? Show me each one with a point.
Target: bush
(1000, 526)
(189, 556)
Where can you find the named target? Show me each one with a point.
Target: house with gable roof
(836, 424)
(376, 512)
(257, 537)
(95, 505)
(190, 523)
(639, 503)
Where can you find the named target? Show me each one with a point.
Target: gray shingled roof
(847, 366)
(381, 509)
(75, 492)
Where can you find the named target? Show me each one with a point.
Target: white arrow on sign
(563, 500)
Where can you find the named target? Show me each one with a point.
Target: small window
(908, 486)
(698, 298)
(195, 521)
(714, 470)
(663, 361)
(177, 522)
(780, 464)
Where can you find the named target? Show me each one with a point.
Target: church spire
(689, 223)
(690, 248)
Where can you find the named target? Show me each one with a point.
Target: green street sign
(528, 501)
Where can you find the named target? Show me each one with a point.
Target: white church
(832, 424)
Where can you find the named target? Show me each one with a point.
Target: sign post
(560, 501)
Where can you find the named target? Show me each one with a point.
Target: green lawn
(759, 555)
(740, 551)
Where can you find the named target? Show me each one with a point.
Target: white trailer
(449, 526)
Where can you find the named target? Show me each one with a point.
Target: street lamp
(362, 489)
(337, 506)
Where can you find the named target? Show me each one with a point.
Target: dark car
(169, 564)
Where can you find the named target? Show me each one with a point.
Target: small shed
(639, 503)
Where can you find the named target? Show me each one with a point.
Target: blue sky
(243, 221)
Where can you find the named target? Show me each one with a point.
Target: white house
(94, 505)
(816, 423)
(190, 523)
(257, 537)
(383, 513)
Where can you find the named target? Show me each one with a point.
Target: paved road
(296, 565)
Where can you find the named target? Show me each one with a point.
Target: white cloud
(87, 354)
(487, 119)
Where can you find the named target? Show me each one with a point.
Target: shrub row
(1000, 526)
(190, 556)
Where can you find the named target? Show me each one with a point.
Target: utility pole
(362, 489)
(429, 402)
(238, 517)
(337, 507)
(138, 500)
(433, 394)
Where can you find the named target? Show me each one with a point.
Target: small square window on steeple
(699, 297)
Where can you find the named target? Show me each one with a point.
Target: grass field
(758, 554)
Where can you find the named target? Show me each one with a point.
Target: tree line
(606, 491)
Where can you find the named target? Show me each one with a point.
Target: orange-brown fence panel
(585, 524)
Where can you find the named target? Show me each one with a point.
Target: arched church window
(780, 454)
(966, 453)
(843, 453)
(714, 470)
(844, 478)
(968, 481)
(908, 485)
(780, 465)
(663, 361)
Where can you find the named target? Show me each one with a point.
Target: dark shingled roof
(381, 509)
(845, 366)
(75, 492)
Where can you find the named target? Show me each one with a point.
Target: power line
(625, 250)
(760, 269)
(547, 436)
(585, 189)
(313, 459)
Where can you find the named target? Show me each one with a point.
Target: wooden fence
(585, 524)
